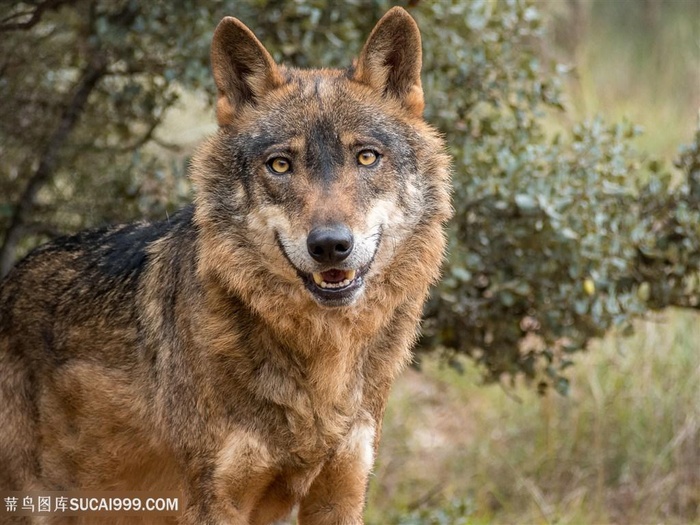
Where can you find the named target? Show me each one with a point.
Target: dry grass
(623, 448)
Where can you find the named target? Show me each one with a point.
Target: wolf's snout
(330, 244)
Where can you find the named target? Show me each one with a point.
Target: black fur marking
(324, 151)
(123, 252)
(116, 251)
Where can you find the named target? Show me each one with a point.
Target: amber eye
(279, 165)
(367, 157)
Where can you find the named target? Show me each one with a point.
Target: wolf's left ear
(391, 60)
(243, 69)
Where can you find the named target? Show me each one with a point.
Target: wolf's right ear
(243, 69)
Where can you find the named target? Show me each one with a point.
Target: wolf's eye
(367, 157)
(279, 165)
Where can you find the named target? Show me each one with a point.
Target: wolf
(242, 351)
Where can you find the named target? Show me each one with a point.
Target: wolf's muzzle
(332, 282)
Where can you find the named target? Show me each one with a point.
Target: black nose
(330, 244)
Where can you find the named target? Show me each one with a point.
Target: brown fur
(196, 354)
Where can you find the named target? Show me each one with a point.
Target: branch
(146, 137)
(138, 143)
(174, 148)
(47, 159)
(6, 23)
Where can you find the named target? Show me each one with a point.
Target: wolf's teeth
(349, 277)
(341, 284)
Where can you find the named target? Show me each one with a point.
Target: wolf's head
(321, 187)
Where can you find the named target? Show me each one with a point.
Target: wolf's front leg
(337, 495)
(226, 487)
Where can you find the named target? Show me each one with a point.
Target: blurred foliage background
(577, 213)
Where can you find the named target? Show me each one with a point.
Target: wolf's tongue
(333, 276)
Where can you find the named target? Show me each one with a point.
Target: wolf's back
(94, 274)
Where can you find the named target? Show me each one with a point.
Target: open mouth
(335, 287)
(334, 279)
